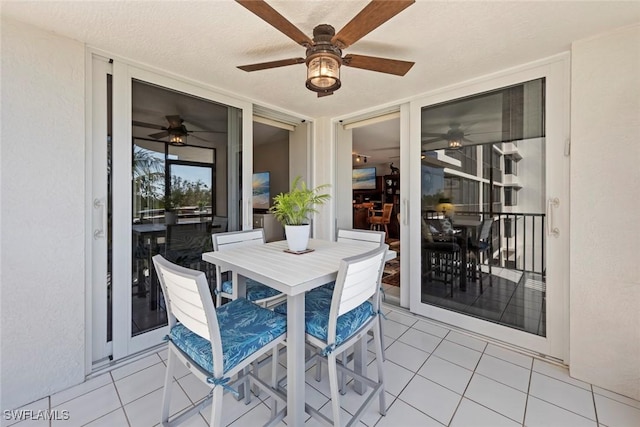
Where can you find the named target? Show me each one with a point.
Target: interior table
(292, 275)
(465, 225)
(147, 238)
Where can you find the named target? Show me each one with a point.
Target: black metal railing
(517, 239)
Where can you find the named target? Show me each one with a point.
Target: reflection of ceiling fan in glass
(176, 131)
(455, 136)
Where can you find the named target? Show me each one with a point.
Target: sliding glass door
(491, 207)
(168, 171)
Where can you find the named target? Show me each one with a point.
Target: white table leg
(295, 360)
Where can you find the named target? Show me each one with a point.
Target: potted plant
(292, 210)
(170, 216)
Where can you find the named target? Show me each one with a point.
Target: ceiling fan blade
(395, 147)
(197, 137)
(147, 125)
(206, 131)
(321, 94)
(279, 22)
(159, 135)
(432, 140)
(433, 134)
(271, 64)
(382, 65)
(174, 121)
(368, 19)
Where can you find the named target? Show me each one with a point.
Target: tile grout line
(126, 417)
(526, 403)
(462, 396)
(416, 374)
(595, 407)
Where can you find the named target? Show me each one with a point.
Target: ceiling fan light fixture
(454, 137)
(323, 72)
(455, 144)
(178, 140)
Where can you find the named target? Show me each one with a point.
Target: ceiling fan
(176, 131)
(324, 53)
(455, 136)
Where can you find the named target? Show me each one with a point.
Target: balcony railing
(517, 239)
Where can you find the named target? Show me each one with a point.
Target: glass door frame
(123, 344)
(556, 71)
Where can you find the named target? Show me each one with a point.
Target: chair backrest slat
(188, 301)
(234, 239)
(485, 229)
(358, 280)
(386, 211)
(372, 239)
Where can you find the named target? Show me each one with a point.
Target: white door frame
(123, 72)
(556, 70)
(343, 140)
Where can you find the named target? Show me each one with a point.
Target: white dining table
(293, 275)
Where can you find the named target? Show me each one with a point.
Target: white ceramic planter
(297, 236)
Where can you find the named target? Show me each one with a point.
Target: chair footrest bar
(189, 412)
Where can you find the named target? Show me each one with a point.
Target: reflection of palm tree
(145, 163)
(148, 173)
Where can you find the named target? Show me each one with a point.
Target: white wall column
(605, 231)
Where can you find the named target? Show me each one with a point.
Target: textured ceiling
(206, 40)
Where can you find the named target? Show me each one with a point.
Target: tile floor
(434, 377)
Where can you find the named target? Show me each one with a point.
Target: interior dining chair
(482, 245)
(439, 251)
(216, 345)
(382, 220)
(256, 291)
(334, 324)
(220, 224)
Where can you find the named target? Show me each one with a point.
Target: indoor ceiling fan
(324, 53)
(176, 131)
(455, 136)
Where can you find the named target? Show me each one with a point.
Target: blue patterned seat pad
(317, 306)
(244, 329)
(255, 290)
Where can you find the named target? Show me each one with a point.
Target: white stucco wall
(42, 224)
(605, 211)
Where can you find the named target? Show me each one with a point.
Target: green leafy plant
(294, 207)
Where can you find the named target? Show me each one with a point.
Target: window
(510, 166)
(510, 196)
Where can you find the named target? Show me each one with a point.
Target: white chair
(335, 323)
(372, 240)
(214, 344)
(256, 291)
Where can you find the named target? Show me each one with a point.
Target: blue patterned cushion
(255, 290)
(316, 316)
(244, 329)
(329, 286)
